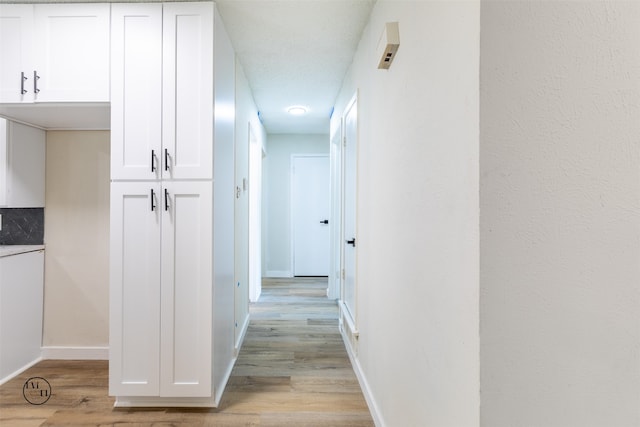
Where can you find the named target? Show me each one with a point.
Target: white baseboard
(75, 353)
(364, 385)
(243, 333)
(278, 273)
(62, 353)
(19, 371)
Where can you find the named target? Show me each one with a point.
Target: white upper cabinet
(71, 52)
(54, 53)
(136, 91)
(162, 91)
(22, 165)
(187, 90)
(16, 49)
(3, 162)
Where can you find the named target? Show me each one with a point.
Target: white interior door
(310, 203)
(349, 205)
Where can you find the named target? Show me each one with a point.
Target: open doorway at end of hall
(296, 206)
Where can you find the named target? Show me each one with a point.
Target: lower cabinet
(21, 294)
(161, 292)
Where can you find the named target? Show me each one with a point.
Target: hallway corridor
(292, 370)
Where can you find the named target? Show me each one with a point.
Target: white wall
(76, 301)
(223, 209)
(247, 116)
(241, 220)
(560, 213)
(248, 259)
(418, 351)
(277, 197)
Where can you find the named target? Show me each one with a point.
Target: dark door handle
(153, 200)
(324, 221)
(153, 160)
(352, 242)
(166, 199)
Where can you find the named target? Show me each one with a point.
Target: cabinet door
(25, 166)
(187, 90)
(3, 161)
(136, 91)
(71, 52)
(187, 289)
(134, 340)
(21, 292)
(16, 44)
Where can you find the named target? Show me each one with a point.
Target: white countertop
(8, 250)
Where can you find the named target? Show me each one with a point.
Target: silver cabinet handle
(23, 78)
(36, 77)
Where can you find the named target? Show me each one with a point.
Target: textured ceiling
(295, 52)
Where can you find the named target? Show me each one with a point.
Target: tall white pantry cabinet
(163, 344)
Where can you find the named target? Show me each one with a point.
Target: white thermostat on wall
(388, 45)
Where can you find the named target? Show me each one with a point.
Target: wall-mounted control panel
(388, 45)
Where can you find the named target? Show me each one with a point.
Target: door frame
(255, 214)
(291, 204)
(346, 314)
(334, 287)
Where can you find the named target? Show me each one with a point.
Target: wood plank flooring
(292, 370)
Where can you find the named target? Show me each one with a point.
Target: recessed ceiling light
(297, 110)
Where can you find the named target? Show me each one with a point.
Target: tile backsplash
(22, 226)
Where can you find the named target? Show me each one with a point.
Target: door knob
(352, 242)
(324, 221)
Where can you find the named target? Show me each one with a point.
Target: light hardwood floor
(292, 370)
